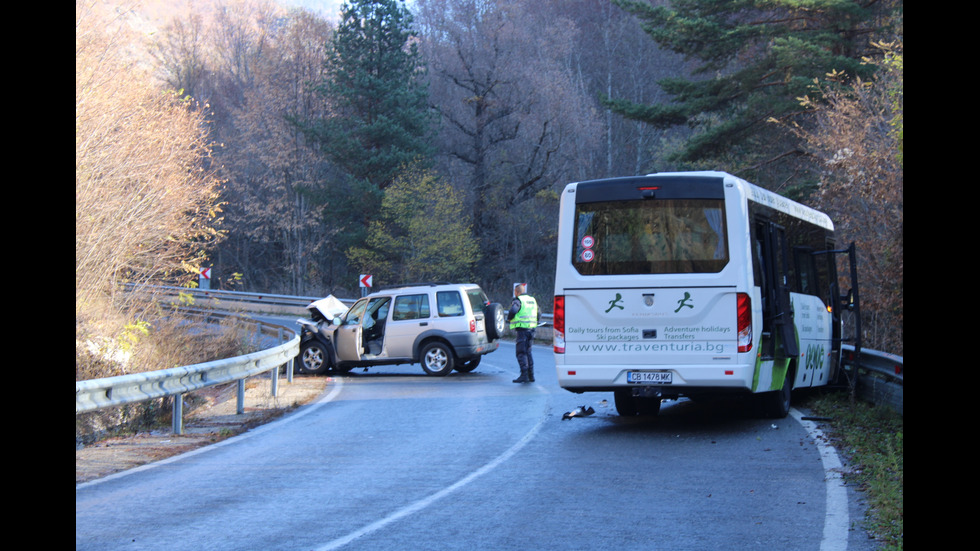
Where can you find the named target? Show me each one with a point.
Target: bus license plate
(650, 377)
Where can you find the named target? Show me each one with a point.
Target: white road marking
(836, 519)
(425, 502)
(301, 412)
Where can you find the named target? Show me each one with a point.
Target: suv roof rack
(419, 284)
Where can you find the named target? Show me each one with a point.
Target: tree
(274, 177)
(181, 54)
(855, 133)
(515, 121)
(754, 59)
(617, 60)
(422, 234)
(146, 195)
(381, 120)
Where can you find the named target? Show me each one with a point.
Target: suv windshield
(650, 237)
(353, 315)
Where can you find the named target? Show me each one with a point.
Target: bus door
(772, 268)
(849, 302)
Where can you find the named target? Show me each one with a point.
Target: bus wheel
(776, 404)
(624, 402)
(628, 405)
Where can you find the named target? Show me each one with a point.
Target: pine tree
(382, 120)
(753, 59)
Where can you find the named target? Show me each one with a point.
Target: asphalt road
(394, 459)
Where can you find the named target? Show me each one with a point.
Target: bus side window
(807, 281)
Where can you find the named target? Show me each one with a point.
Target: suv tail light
(744, 322)
(559, 324)
(472, 326)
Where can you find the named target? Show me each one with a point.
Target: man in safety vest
(523, 316)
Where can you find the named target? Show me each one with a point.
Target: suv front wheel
(313, 358)
(437, 359)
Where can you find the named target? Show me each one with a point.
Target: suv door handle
(423, 324)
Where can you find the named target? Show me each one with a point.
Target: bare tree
(146, 199)
(514, 118)
(181, 55)
(274, 176)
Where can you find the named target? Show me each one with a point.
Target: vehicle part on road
(581, 411)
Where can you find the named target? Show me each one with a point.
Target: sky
(327, 8)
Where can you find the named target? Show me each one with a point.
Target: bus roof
(762, 196)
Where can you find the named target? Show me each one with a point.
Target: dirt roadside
(213, 421)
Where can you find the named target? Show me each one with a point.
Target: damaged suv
(441, 326)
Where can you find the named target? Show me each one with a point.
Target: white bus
(693, 284)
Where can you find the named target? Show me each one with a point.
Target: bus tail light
(559, 324)
(744, 322)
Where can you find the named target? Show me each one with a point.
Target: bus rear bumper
(672, 380)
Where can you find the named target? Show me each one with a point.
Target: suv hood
(326, 308)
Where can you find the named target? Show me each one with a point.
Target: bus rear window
(661, 236)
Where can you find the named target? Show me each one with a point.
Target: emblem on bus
(648, 299)
(614, 303)
(683, 302)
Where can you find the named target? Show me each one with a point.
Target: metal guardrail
(137, 387)
(880, 376)
(252, 302)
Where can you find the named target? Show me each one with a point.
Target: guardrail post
(275, 381)
(289, 364)
(178, 417)
(241, 396)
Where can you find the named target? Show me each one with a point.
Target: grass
(871, 438)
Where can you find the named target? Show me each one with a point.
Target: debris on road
(581, 411)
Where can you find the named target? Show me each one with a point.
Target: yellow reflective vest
(527, 316)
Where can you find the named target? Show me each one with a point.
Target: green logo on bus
(683, 302)
(614, 303)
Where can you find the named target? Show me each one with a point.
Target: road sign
(366, 280)
(204, 281)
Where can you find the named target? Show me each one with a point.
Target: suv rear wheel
(437, 359)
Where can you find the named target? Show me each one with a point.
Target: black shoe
(522, 379)
(530, 375)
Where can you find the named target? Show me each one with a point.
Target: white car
(442, 326)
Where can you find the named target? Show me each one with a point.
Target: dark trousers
(525, 337)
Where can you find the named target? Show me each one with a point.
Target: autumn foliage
(857, 133)
(145, 197)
